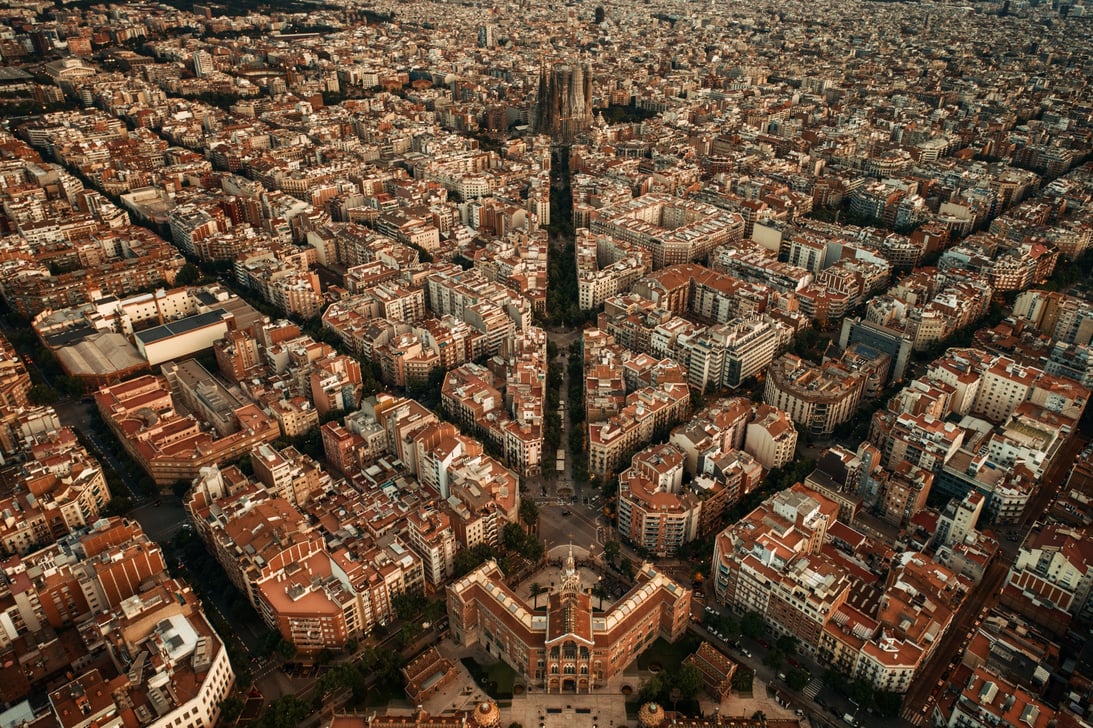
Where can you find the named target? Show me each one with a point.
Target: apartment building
(335, 383)
(922, 440)
(655, 511)
(179, 673)
(988, 700)
(89, 571)
(606, 267)
(719, 427)
(775, 562)
(818, 399)
(728, 354)
(904, 491)
(754, 264)
(646, 411)
(771, 437)
(511, 419)
(753, 555)
(314, 584)
(57, 489)
(296, 416)
(1052, 574)
(107, 587)
(958, 521)
(430, 534)
(172, 447)
(1002, 387)
(288, 473)
(670, 229)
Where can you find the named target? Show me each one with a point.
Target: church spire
(571, 578)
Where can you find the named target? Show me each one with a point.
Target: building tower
(563, 107)
(571, 578)
(203, 64)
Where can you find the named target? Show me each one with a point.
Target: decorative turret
(571, 578)
(651, 715)
(486, 715)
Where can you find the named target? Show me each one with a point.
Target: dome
(650, 715)
(487, 715)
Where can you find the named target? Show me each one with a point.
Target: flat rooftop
(182, 326)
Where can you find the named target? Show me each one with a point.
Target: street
(561, 524)
(984, 596)
(1052, 481)
(919, 699)
(563, 484)
(820, 711)
(81, 417)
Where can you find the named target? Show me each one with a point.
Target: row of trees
(552, 421)
(563, 294)
(752, 625)
(372, 677)
(578, 449)
(207, 579)
(519, 541)
(884, 703)
(612, 554)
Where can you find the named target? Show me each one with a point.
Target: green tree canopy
(796, 679)
(529, 512)
(689, 681)
(787, 644)
(861, 692)
(42, 394)
(187, 275)
(888, 704)
(652, 689)
(753, 625)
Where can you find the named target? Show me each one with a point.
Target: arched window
(569, 650)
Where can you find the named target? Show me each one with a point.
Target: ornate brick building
(568, 647)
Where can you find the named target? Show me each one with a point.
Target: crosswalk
(913, 716)
(813, 688)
